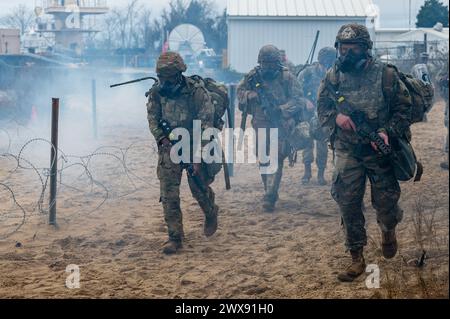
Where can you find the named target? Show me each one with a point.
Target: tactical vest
(181, 111)
(277, 88)
(364, 93)
(312, 81)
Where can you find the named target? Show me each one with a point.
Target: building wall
(9, 41)
(246, 36)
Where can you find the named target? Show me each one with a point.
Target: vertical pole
(232, 92)
(425, 42)
(54, 161)
(409, 15)
(94, 108)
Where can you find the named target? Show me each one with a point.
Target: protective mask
(269, 74)
(352, 62)
(170, 89)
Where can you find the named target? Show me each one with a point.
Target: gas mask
(352, 62)
(170, 89)
(270, 71)
(269, 74)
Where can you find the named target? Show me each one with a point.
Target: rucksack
(219, 97)
(422, 94)
(405, 162)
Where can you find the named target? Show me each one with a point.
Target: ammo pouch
(404, 161)
(212, 169)
(300, 136)
(319, 133)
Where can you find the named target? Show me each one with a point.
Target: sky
(394, 14)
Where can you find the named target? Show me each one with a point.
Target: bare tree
(21, 17)
(126, 18)
(110, 31)
(146, 29)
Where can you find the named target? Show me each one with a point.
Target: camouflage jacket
(364, 92)
(310, 79)
(193, 103)
(442, 82)
(285, 92)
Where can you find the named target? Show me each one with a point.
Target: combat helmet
(269, 53)
(170, 64)
(327, 54)
(354, 33)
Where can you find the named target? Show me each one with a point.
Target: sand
(295, 252)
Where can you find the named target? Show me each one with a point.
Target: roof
(299, 8)
(417, 35)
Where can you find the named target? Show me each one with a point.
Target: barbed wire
(20, 212)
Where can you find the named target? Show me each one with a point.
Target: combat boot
(389, 244)
(210, 226)
(307, 175)
(357, 267)
(172, 246)
(321, 177)
(268, 206)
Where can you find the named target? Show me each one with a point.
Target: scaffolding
(71, 21)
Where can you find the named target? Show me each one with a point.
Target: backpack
(405, 163)
(422, 94)
(219, 97)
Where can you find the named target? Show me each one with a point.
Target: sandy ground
(295, 252)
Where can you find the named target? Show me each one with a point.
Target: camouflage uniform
(310, 79)
(191, 103)
(443, 88)
(287, 63)
(355, 159)
(286, 93)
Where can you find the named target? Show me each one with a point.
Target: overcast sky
(394, 13)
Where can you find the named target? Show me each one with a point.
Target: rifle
(167, 130)
(268, 104)
(135, 81)
(310, 58)
(226, 171)
(255, 82)
(363, 129)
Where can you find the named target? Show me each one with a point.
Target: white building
(288, 24)
(9, 41)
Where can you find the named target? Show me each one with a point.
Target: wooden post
(54, 161)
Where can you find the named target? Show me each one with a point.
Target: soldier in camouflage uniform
(286, 62)
(179, 100)
(310, 79)
(443, 88)
(285, 91)
(358, 77)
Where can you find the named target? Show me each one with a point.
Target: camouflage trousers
(321, 154)
(272, 181)
(349, 184)
(446, 125)
(169, 175)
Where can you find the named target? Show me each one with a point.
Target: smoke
(116, 108)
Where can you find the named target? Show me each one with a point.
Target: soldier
(443, 87)
(282, 93)
(179, 100)
(309, 80)
(286, 62)
(358, 78)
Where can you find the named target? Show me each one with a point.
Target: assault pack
(422, 92)
(219, 97)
